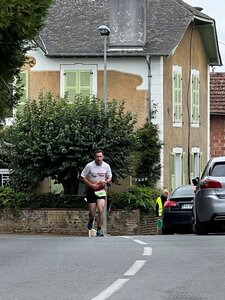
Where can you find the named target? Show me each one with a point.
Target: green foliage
(142, 197)
(11, 200)
(14, 201)
(50, 200)
(20, 22)
(147, 154)
(55, 138)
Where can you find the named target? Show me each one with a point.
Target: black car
(177, 210)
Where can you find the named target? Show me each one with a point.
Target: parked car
(209, 200)
(177, 210)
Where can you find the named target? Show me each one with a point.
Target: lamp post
(105, 31)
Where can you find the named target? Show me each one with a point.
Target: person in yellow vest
(159, 209)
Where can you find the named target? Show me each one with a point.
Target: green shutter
(24, 97)
(192, 166)
(172, 171)
(177, 97)
(78, 82)
(55, 188)
(200, 164)
(71, 84)
(184, 168)
(195, 99)
(85, 86)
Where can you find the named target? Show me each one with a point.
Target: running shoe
(99, 233)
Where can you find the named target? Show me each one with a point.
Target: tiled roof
(217, 93)
(72, 27)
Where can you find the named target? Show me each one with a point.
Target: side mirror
(195, 181)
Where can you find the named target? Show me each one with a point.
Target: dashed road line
(111, 289)
(135, 268)
(147, 251)
(108, 292)
(140, 242)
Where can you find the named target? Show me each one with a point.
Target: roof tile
(217, 93)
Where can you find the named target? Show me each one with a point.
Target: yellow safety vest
(159, 202)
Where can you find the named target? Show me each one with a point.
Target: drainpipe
(148, 59)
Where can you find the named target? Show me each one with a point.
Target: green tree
(55, 138)
(20, 22)
(147, 154)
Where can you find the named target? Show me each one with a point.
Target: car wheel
(166, 230)
(198, 227)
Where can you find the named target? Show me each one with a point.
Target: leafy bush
(141, 197)
(11, 200)
(51, 200)
(54, 138)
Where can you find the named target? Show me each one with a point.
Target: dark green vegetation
(55, 138)
(20, 22)
(142, 198)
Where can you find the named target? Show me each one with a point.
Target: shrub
(141, 197)
(11, 200)
(51, 200)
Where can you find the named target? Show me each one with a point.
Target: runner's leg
(92, 211)
(100, 206)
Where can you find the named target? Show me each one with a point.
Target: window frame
(195, 98)
(177, 96)
(78, 68)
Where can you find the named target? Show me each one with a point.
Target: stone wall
(74, 222)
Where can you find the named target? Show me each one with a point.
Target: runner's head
(99, 156)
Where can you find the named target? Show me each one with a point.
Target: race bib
(101, 193)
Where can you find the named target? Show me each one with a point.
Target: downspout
(148, 59)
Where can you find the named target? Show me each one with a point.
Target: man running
(96, 175)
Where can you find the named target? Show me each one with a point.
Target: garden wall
(74, 222)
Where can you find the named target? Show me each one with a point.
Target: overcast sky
(216, 10)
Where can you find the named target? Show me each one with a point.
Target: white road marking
(140, 242)
(147, 251)
(136, 267)
(111, 289)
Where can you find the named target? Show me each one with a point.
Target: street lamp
(104, 31)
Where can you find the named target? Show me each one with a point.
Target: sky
(215, 9)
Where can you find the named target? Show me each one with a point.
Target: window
(78, 79)
(4, 177)
(177, 96)
(196, 163)
(195, 84)
(218, 170)
(77, 82)
(177, 168)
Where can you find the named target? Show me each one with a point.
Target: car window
(218, 170)
(206, 170)
(187, 191)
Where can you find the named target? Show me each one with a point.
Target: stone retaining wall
(74, 222)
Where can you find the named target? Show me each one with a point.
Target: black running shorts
(91, 197)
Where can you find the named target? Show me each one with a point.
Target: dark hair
(99, 151)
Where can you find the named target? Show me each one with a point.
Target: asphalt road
(36, 267)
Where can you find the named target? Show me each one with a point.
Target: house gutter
(109, 54)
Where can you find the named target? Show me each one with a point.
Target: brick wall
(217, 135)
(74, 222)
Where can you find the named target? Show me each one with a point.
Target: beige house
(158, 53)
